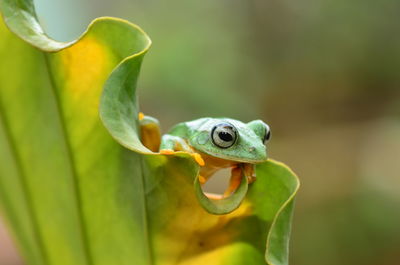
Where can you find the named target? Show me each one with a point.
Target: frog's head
(232, 140)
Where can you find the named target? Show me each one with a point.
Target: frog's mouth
(232, 197)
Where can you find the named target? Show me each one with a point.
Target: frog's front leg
(172, 143)
(237, 173)
(234, 181)
(150, 133)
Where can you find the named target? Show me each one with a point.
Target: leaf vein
(75, 180)
(22, 176)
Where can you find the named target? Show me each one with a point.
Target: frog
(214, 143)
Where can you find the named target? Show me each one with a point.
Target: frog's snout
(258, 153)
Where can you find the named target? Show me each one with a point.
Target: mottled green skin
(249, 147)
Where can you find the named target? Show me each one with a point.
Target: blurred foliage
(323, 73)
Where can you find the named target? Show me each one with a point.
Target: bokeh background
(323, 73)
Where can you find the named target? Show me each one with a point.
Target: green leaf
(225, 205)
(77, 189)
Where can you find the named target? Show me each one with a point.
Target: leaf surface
(77, 189)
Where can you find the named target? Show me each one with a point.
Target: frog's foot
(197, 157)
(202, 180)
(167, 152)
(249, 172)
(251, 179)
(141, 116)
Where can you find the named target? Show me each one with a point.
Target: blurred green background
(323, 73)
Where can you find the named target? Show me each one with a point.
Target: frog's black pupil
(224, 136)
(267, 135)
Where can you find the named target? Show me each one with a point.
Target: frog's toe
(167, 152)
(202, 179)
(197, 157)
(140, 116)
(251, 179)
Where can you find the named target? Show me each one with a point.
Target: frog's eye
(267, 135)
(224, 135)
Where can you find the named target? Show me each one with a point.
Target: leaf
(225, 205)
(74, 195)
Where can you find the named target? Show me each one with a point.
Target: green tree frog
(214, 143)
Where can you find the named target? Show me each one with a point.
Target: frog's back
(185, 129)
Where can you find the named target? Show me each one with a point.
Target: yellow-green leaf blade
(102, 185)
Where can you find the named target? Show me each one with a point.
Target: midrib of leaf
(22, 176)
(70, 156)
(145, 215)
